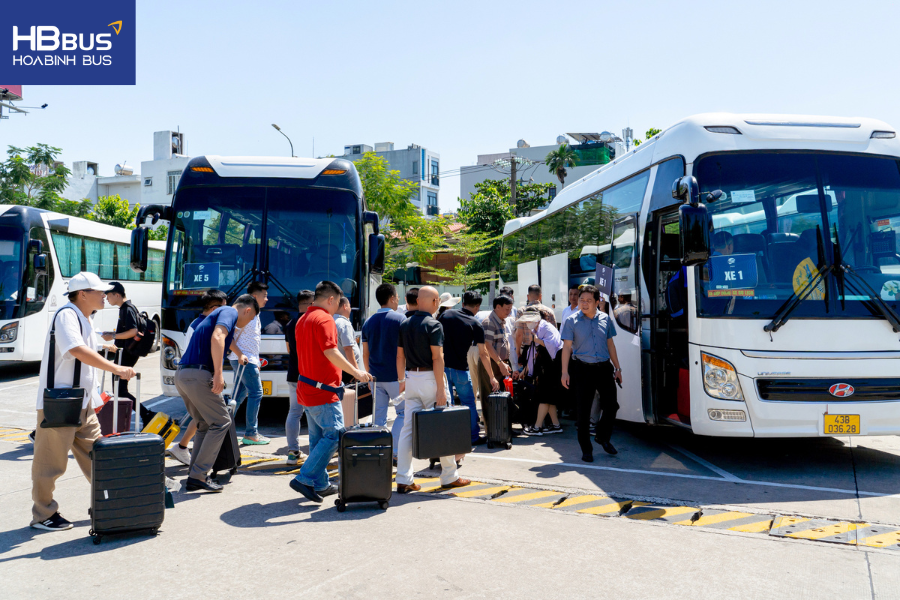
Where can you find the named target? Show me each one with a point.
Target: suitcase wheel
(383, 505)
(96, 539)
(490, 445)
(509, 445)
(341, 507)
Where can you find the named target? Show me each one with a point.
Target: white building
(591, 154)
(416, 164)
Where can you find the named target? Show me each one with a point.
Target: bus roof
(268, 166)
(691, 137)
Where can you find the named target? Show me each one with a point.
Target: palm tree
(559, 159)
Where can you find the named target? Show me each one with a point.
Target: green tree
(115, 211)
(650, 133)
(468, 246)
(75, 208)
(20, 183)
(161, 233)
(557, 161)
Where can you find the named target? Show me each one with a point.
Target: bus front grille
(817, 390)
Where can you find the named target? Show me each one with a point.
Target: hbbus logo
(47, 38)
(841, 390)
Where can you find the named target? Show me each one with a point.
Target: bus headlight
(720, 379)
(170, 353)
(9, 332)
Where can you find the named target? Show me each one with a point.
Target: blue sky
(463, 78)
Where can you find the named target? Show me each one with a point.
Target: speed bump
(821, 530)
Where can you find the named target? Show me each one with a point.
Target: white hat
(448, 300)
(87, 281)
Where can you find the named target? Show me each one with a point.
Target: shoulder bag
(62, 406)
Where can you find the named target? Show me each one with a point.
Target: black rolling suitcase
(229, 457)
(497, 419)
(365, 464)
(128, 482)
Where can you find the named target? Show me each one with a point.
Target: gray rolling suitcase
(128, 482)
(365, 460)
(497, 419)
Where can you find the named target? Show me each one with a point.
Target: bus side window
(37, 287)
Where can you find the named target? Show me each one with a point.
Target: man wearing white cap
(74, 341)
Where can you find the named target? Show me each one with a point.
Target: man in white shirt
(245, 351)
(75, 340)
(572, 308)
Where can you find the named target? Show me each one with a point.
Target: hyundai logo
(841, 390)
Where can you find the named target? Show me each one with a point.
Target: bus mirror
(371, 217)
(36, 245)
(39, 262)
(696, 230)
(376, 254)
(140, 244)
(686, 189)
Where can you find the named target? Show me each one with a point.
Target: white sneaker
(182, 455)
(295, 457)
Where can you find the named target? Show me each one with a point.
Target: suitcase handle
(356, 404)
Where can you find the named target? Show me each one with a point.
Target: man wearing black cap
(126, 329)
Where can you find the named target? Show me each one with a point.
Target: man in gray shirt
(589, 354)
(350, 349)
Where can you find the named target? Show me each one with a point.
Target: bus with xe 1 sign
(287, 222)
(40, 251)
(752, 266)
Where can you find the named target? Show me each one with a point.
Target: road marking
(581, 500)
(660, 513)
(827, 530)
(482, 492)
(715, 519)
(612, 507)
(883, 540)
(725, 474)
(758, 527)
(523, 497)
(687, 476)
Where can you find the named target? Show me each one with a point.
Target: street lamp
(278, 129)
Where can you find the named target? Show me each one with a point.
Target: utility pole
(512, 183)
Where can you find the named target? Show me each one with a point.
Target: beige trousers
(51, 456)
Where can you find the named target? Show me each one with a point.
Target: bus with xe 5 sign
(287, 222)
(755, 265)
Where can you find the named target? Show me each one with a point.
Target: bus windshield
(784, 217)
(291, 238)
(10, 270)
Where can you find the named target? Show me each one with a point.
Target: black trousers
(587, 378)
(129, 360)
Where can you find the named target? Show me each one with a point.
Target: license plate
(842, 424)
(267, 390)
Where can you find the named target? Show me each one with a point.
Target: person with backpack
(131, 325)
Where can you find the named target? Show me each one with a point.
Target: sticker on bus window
(890, 291)
(805, 272)
(201, 215)
(733, 272)
(730, 293)
(738, 196)
(200, 275)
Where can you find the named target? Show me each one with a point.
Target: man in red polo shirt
(319, 390)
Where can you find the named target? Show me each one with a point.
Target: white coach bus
(779, 235)
(39, 252)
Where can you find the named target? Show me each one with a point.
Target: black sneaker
(592, 429)
(532, 430)
(329, 491)
(553, 429)
(54, 523)
(210, 485)
(31, 437)
(306, 491)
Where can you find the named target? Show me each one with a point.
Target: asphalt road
(473, 547)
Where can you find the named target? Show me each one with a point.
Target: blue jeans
(384, 392)
(251, 388)
(463, 383)
(292, 423)
(326, 424)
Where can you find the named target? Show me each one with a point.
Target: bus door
(528, 275)
(624, 307)
(669, 365)
(555, 283)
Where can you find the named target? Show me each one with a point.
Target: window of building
(357, 149)
(552, 192)
(173, 177)
(435, 178)
(148, 181)
(415, 167)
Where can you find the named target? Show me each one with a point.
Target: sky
(463, 78)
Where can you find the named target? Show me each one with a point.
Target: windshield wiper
(241, 282)
(287, 294)
(880, 305)
(782, 316)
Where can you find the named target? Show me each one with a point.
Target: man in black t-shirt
(126, 329)
(420, 355)
(295, 412)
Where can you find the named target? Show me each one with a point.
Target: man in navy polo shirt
(200, 383)
(379, 339)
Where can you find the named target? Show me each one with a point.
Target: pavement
(671, 516)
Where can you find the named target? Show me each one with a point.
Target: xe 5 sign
(68, 43)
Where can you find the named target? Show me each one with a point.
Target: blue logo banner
(68, 43)
(733, 272)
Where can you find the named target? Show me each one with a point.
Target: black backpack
(143, 342)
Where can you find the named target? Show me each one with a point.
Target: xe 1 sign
(68, 43)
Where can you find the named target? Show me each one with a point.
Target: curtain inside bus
(10, 270)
